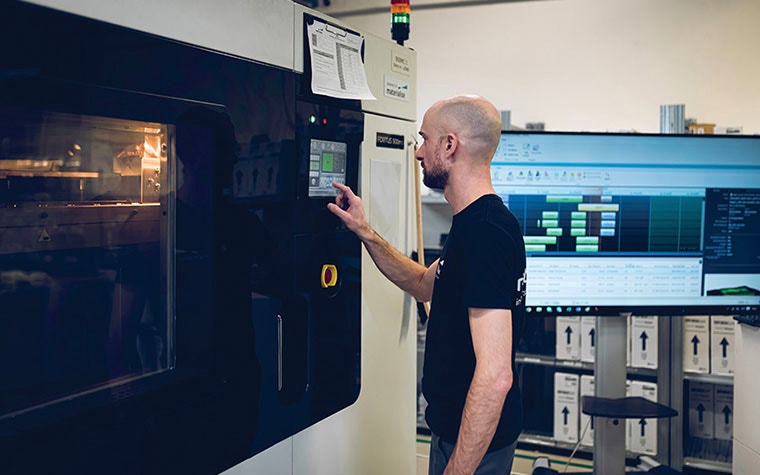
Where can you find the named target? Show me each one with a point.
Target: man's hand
(348, 207)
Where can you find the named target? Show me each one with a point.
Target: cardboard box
(568, 338)
(566, 407)
(701, 410)
(722, 344)
(643, 432)
(724, 411)
(588, 339)
(586, 426)
(643, 343)
(701, 128)
(696, 344)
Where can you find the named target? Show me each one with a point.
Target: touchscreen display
(327, 164)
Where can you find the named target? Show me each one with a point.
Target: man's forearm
(480, 417)
(405, 273)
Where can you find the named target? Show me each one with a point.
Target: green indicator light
(400, 18)
(312, 119)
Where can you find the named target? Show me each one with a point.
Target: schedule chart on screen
(615, 220)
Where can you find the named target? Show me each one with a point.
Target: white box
(701, 410)
(586, 422)
(643, 432)
(722, 344)
(568, 338)
(644, 342)
(696, 344)
(566, 407)
(588, 339)
(724, 411)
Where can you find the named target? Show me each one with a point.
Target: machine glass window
(83, 254)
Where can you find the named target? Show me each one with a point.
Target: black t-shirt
(482, 265)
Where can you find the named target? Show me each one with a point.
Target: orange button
(329, 275)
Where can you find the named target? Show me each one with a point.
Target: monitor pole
(609, 382)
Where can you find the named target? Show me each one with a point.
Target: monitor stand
(609, 405)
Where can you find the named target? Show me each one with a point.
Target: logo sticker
(396, 88)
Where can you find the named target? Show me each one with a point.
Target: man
(477, 288)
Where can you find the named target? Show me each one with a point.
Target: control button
(329, 276)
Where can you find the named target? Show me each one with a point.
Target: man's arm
(410, 276)
(492, 340)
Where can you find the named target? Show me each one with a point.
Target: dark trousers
(498, 462)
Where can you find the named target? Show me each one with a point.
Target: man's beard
(435, 179)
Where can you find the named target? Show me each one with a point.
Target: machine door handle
(293, 349)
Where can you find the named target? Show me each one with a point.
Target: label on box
(588, 339)
(566, 407)
(644, 342)
(643, 432)
(696, 344)
(722, 345)
(701, 412)
(568, 338)
(724, 411)
(587, 422)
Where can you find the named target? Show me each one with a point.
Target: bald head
(475, 120)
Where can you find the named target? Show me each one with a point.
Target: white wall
(588, 64)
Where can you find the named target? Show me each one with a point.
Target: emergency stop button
(329, 275)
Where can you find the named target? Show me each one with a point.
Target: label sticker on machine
(327, 164)
(396, 88)
(389, 140)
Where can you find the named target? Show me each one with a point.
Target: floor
(522, 465)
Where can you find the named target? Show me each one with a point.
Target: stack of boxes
(708, 349)
(576, 341)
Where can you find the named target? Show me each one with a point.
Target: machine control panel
(327, 164)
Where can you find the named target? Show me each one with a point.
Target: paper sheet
(337, 69)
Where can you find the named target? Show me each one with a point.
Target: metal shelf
(715, 466)
(709, 378)
(547, 441)
(543, 360)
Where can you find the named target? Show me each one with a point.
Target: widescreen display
(649, 224)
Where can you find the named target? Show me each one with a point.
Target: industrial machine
(174, 294)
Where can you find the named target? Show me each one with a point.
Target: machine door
(306, 273)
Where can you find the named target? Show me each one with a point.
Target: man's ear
(452, 143)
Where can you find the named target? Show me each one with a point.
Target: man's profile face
(435, 175)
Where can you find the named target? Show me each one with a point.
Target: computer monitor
(640, 223)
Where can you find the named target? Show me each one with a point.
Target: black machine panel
(174, 295)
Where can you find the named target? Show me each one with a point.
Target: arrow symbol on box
(569, 332)
(592, 333)
(727, 414)
(724, 343)
(644, 337)
(565, 412)
(643, 425)
(695, 341)
(701, 411)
